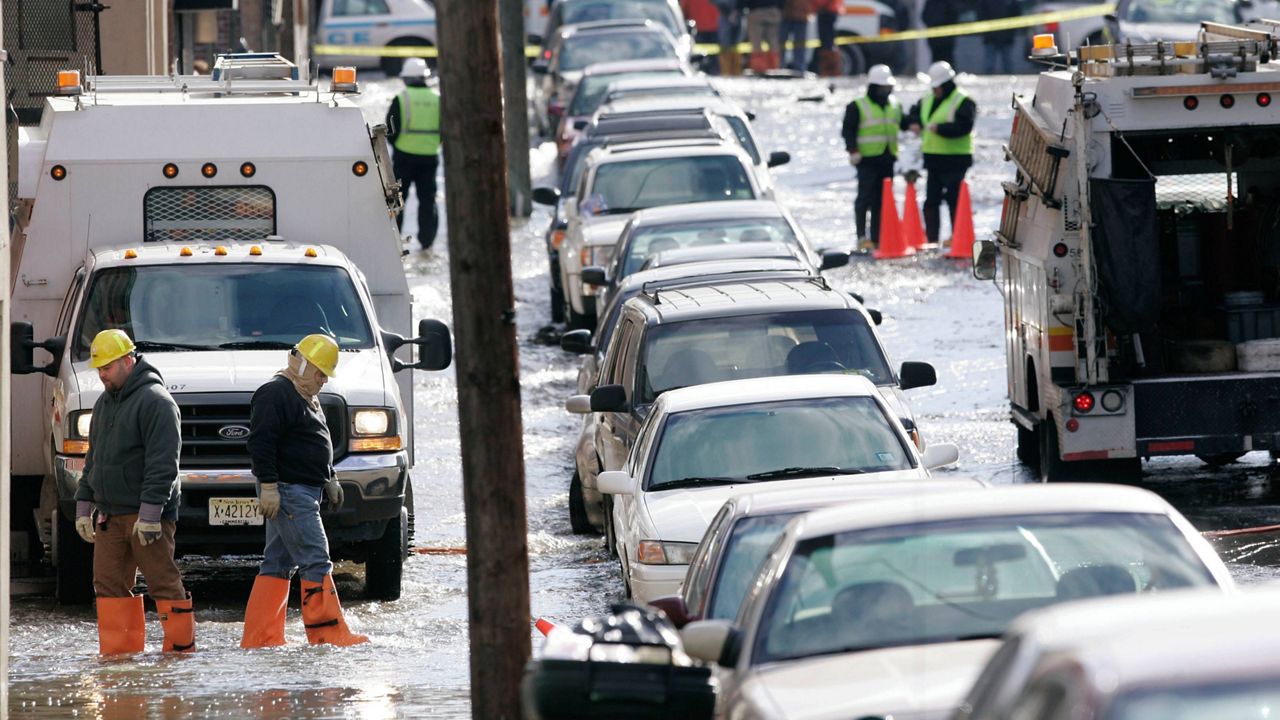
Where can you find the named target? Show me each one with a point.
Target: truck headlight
(77, 440)
(659, 552)
(371, 422)
(373, 430)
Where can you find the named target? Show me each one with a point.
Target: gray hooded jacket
(134, 442)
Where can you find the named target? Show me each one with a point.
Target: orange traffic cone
(544, 626)
(912, 229)
(892, 244)
(962, 228)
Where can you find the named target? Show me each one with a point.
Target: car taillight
(1264, 99)
(1083, 402)
(1190, 102)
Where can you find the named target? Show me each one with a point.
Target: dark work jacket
(288, 441)
(966, 115)
(134, 443)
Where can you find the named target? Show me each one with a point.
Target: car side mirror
(578, 404)
(539, 68)
(916, 374)
(779, 157)
(22, 357)
(832, 259)
(609, 398)
(580, 124)
(577, 342)
(615, 482)
(712, 641)
(674, 608)
(1111, 18)
(594, 275)
(750, 115)
(877, 317)
(546, 195)
(692, 27)
(984, 260)
(938, 455)
(435, 347)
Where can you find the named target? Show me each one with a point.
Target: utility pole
(516, 101)
(487, 367)
(5, 410)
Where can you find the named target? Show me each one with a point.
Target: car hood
(922, 681)
(1151, 32)
(604, 229)
(682, 515)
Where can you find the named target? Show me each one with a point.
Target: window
(360, 7)
(210, 214)
(743, 555)
(1248, 698)
(700, 569)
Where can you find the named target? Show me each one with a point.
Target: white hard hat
(940, 73)
(881, 75)
(414, 69)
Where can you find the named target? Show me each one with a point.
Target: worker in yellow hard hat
(292, 458)
(127, 499)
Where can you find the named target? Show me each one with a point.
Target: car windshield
(645, 242)
(626, 186)
(1241, 699)
(966, 579)
(1183, 11)
(586, 99)
(185, 307)
(583, 49)
(748, 544)
(762, 442)
(804, 342)
(598, 10)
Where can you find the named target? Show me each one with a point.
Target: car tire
(610, 536)
(579, 321)
(1220, 459)
(578, 520)
(384, 568)
(74, 558)
(1028, 447)
(853, 60)
(557, 305)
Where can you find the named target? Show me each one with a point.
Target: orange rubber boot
(122, 625)
(264, 615)
(178, 619)
(322, 615)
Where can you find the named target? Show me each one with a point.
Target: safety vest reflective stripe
(878, 127)
(420, 121)
(931, 142)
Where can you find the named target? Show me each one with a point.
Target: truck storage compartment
(1226, 405)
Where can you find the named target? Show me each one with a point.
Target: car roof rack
(691, 136)
(732, 277)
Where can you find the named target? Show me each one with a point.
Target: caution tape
(978, 27)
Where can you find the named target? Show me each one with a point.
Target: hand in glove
(268, 500)
(84, 520)
(147, 528)
(333, 491)
(855, 157)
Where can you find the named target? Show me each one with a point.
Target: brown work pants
(117, 557)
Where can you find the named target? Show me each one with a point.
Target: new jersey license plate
(234, 511)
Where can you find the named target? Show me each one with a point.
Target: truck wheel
(557, 305)
(1028, 447)
(74, 558)
(578, 520)
(385, 566)
(1052, 467)
(1220, 459)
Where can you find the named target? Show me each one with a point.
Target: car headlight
(596, 255)
(373, 430)
(658, 552)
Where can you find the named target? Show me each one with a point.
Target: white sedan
(701, 445)
(891, 608)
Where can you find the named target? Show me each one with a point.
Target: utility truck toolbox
(217, 221)
(1140, 250)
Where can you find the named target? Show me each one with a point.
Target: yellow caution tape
(969, 28)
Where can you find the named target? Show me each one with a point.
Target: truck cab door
(54, 390)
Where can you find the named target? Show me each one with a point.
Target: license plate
(234, 511)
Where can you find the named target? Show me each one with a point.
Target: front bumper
(373, 488)
(650, 582)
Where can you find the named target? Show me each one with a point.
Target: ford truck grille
(215, 429)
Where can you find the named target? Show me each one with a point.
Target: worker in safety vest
(870, 131)
(130, 483)
(944, 120)
(413, 127)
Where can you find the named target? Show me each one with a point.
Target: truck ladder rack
(236, 74)
(1036, 151)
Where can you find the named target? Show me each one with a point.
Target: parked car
(892, 607)
(740, 535)
(596, 81)
(575, 47)
(696, 85)
(676, 337)
(666, 13)
(701, 445)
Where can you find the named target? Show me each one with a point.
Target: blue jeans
(796, 31)
(295, 537)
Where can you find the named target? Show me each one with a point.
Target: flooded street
(416, 664)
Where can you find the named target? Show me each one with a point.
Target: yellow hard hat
(109, 346)
(321, 351)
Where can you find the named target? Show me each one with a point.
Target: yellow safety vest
(419, 121)
(931, 142)
(878, 127)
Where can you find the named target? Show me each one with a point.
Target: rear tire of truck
(578, 520)
(74, 558)
(1052, 467)
(1028, 447)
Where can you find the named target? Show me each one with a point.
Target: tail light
(1264, 99)
(1083, 402)
(1227, 101)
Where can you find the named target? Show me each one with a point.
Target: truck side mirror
(435, 347)
(984, 260)
(609, 398)
(577, 342)
(22, 351)
(778, 157)
(832, 259)
(594, 275)
(916, 374)
(546, 195)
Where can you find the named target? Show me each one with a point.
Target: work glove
(333, 491)
(147, 528)
(84, 520)
(855, 157)
(268, 500)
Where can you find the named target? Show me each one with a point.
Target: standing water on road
(416, 664)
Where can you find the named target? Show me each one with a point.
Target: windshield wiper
(695, 482)
(802, 472)
(256, 345)
(145, 345)
(621, 210)
(980, 636)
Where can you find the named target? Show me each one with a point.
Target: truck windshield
(197, 307)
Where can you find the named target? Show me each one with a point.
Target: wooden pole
(487, 355)
(516, 102)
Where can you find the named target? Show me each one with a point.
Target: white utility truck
(217, 220)
(1140, 253)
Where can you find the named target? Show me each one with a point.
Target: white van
(217, 220)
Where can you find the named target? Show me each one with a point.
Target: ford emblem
(233, 432)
